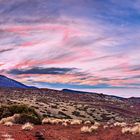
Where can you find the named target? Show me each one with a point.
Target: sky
(79, 44)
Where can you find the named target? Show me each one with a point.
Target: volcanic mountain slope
(7, 82)
(75, 105)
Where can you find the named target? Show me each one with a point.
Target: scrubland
(55, 115)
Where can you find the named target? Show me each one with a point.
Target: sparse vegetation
(19, 114)
(11, 119)
(121, 124)
(67, 112)
(88, 129)
(85, 129)
(8, 124)
(131, 129)
(76, 122)
(87, 122)
(64, 124)
(51, 121)
(27, 126)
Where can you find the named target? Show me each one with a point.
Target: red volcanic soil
(59, 132)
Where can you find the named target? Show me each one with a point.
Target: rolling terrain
(69, 104)
(66, 104)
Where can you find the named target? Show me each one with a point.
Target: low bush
(32, 118)
(27, 114)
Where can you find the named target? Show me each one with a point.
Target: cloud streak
(39, 70)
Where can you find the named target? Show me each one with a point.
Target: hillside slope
(7, 82)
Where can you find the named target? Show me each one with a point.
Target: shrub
(29, 118)
(64, 115)
(27, 114)
(27, 126)
(76, 113)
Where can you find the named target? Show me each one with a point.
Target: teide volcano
(6, 82)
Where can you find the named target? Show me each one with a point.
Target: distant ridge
(6, 82)
(74, 91)
(99, 94)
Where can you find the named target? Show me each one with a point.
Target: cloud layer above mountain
(83, 43)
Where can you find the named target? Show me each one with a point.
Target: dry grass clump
(97, 124)
(66, 121)
(121, 124)
(8, 124)
(126, 130)
(11, 119)
(51, 121)
(76, 122)
(90, 129)
(93, 128)
(87, 129)
(46, 121)
(56, 121)
(137, 123)
(133, 129)
(87, 122)
(61, 121)
(105, 126)
(27, 127)
(64, 124)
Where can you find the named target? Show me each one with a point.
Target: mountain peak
(6, 82)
